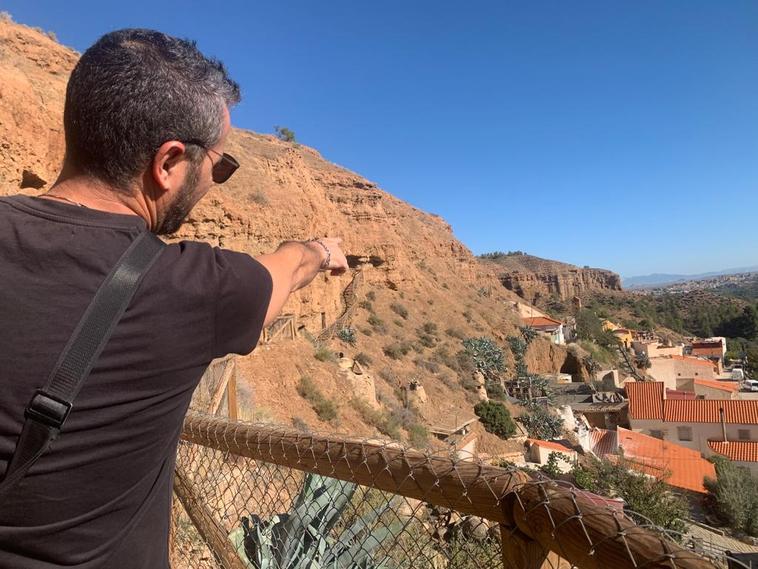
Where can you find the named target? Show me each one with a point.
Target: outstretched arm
(295, 264)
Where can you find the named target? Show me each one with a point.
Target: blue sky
(621, 135)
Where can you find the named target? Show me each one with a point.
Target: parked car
(750, 385)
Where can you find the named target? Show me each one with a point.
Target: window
(656, 434)
(743, 434)
(684, 433)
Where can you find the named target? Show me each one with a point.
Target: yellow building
(624, 335)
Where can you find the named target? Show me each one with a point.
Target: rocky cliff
(538, 280)
(413, 293)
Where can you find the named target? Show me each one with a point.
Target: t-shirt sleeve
(243, 296)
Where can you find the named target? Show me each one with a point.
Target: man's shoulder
(196, 261)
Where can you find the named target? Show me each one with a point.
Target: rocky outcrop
(537, 280)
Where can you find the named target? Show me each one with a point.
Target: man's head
(134, 101)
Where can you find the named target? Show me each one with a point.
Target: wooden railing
(542, 523)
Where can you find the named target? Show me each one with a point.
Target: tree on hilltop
(285, 134)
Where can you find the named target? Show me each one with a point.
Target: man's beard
(182, 204)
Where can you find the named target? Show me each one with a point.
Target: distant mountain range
(660, 279)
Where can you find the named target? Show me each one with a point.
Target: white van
(750, 385)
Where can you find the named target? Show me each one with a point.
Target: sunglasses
(224, 168)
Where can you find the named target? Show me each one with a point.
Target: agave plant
(304, 538)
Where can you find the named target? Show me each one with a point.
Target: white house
(548, 326)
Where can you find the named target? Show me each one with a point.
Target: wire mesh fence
(261, 496)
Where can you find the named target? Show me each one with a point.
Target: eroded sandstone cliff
(538, 280)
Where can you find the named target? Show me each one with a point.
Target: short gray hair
(132, 91)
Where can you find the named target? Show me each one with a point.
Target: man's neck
(92, 194)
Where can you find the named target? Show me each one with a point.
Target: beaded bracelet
(325, 263)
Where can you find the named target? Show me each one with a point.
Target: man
(146, 122)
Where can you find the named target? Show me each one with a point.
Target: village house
(459, 435)
(623, 335)
(714, 389)
(693, 423)
(604, 409)
(539, 453)
(712, 348)
(547, 326)
(679, 372)
(679, 466)
(654, 349)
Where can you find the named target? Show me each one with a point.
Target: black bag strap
(50, 406)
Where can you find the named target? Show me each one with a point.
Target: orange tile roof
(646, 402)
(745, 451)
(692, 360)
(707, 411)
(645, 399)
(541, 321)
(684, 467)
(551, 445)
(602, 441)
(730, 386)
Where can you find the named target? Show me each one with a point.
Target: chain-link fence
(262, 496)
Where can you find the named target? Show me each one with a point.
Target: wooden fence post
(231, 396)
(211, 531)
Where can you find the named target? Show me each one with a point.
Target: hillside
(541, 281)
(413, 294)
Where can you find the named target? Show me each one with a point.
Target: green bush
(366, 304)
(495, 418)
(400, 310)
(486, 355)
(551, 468)
(528, 333)
(285, 134)
(733, 496)
(325, 408)
(540, 424)
(371, 295)
(644, 495)
(347, 335)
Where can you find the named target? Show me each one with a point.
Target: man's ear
(169, 165)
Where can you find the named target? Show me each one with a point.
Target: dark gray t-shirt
(101, 496)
